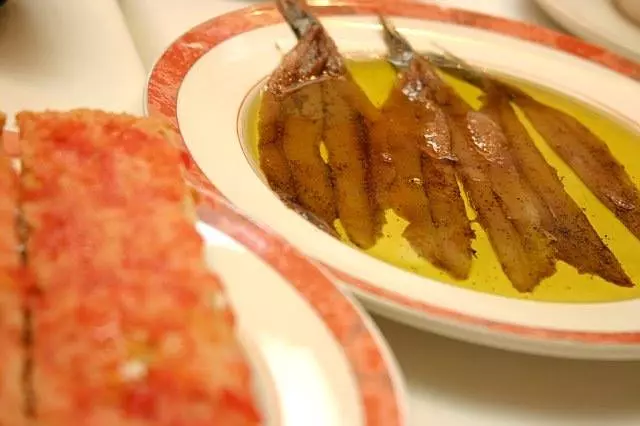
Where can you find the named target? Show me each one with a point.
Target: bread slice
(131, 327)
(12, 354)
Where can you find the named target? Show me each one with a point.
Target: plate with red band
(206, 84)
(318, 358)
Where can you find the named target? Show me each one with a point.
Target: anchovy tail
(297, 15)
(400, 53)
(458, 67)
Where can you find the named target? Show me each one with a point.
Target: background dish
(601, 22)
(629, 8)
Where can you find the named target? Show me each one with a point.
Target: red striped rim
(377, 384)
(171, 69)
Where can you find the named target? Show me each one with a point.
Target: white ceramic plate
(199, 84)
(598, 21)
(318, 359)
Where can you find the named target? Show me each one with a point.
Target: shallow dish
(201, 82)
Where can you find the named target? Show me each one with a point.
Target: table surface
(76, 53)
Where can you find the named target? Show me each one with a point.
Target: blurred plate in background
(599, 21)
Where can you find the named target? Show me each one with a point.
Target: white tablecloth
(67, 53)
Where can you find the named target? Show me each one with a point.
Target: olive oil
(376, 77)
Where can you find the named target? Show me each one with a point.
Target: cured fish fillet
(396, 171)
(302, 135)
(519, 200)
(346, 137)
(413, 171)
(449, 216)
(273, 162)
(12, 290)
(581, 149)
(130, 327)
(576, 242)
(312, 101)
(506, 206)
(290, 131)
(589, 157)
